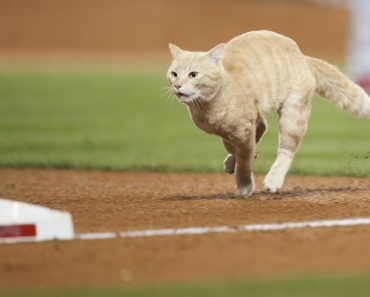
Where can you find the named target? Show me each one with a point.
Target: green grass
(124, 121)
(299, 287)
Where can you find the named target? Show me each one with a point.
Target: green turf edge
(313, 286)
(174, 169)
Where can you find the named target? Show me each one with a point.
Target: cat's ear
(175, 50)
(216, 53)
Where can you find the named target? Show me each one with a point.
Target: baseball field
(141, 164)
(113, 148)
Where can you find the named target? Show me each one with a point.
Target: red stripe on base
(23, 230)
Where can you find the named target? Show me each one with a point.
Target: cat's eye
(174, 74)
(193, 74)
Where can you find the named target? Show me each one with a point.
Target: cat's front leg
(245, 184)
(229, 164)
(230, 160)
(247, 189)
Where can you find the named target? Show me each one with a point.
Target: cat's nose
(178, 86)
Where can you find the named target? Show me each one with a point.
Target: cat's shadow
(262, 195)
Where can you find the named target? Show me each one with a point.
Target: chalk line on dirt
(226, 229)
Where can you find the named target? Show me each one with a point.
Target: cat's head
(195, 76)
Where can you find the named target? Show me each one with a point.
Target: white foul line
(226, 229)
(102, 235)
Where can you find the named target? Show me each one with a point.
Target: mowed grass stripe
(125, 121)
(337, 286)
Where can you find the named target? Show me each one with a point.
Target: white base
(20, 222)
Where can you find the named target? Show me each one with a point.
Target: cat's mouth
(186, 98)
(182, 95)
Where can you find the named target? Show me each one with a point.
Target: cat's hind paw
(273, 183)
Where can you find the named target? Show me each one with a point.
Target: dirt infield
(108, 201)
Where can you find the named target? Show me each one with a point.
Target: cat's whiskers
(168, 93)
(197, 98)
(192, 102)
(198, 104)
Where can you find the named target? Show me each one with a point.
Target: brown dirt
(128, 28)
(108, 201)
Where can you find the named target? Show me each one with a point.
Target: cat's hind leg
(293, 122)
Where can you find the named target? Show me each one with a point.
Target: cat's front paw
(273, 182)
(229, 164)
(245, 191)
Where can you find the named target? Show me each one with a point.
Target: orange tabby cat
(230, 89)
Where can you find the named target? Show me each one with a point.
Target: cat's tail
(338, 89)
